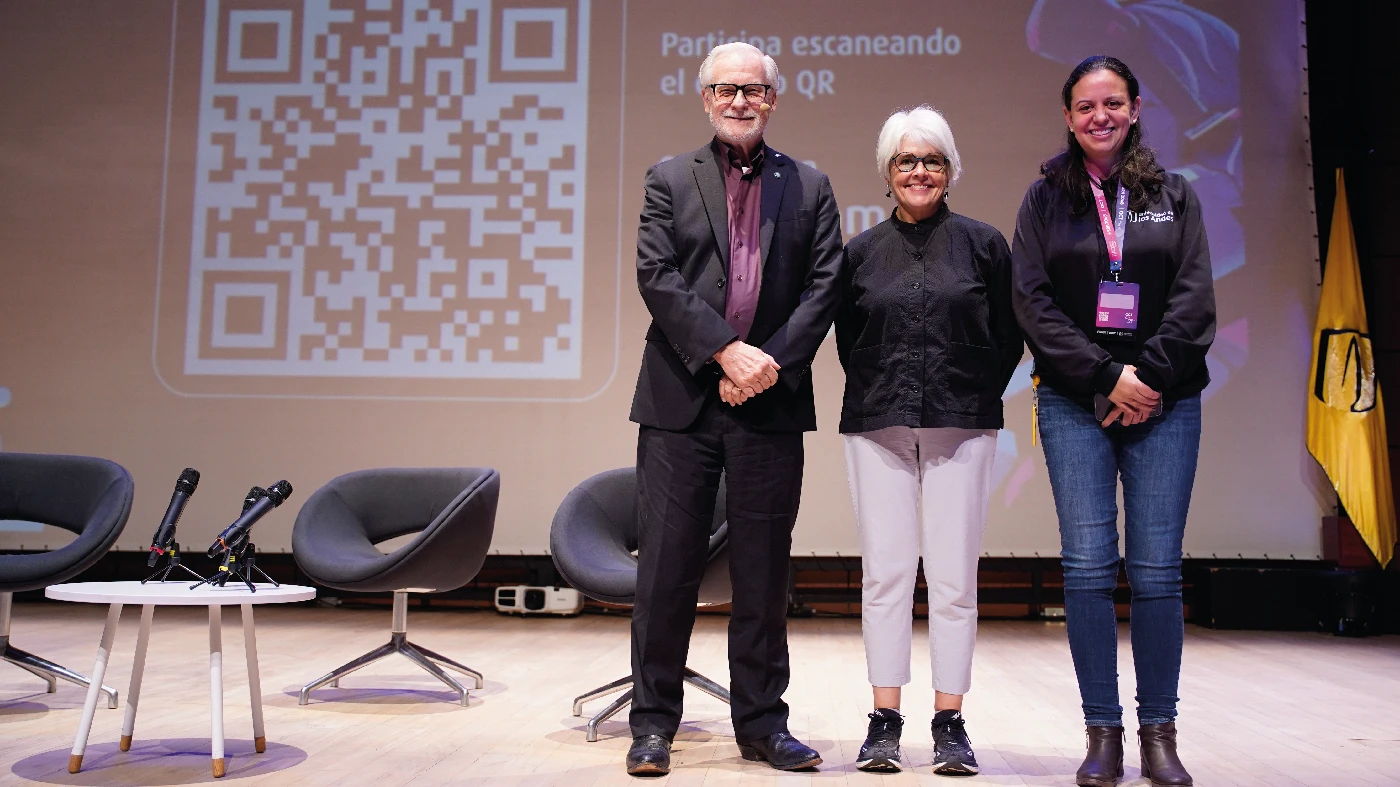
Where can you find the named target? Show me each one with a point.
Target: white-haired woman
(928, 339)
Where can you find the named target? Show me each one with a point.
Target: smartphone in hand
(1103, 406)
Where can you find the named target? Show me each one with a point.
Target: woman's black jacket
(926, 331)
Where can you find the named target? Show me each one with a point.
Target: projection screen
(293, 238)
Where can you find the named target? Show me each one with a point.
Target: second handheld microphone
(165, 533)
(276, 494)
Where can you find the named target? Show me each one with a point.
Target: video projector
(531, 600)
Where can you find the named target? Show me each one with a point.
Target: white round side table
(150, 596)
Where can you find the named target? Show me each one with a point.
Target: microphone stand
(173, 556)
(240, 562)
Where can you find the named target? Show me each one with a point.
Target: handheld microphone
(273, 497)
(165, 533)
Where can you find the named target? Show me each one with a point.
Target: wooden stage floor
(1257, 708)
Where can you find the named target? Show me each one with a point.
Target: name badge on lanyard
(1116, 313)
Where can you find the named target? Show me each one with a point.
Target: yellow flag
(1346, 418)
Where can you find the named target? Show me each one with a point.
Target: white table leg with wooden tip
(99, 669)
(250, 647)
(138, 668)
(216, 689)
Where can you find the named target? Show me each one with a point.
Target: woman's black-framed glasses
(725, 91)
(906, 162)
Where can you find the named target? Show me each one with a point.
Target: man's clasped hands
(748, 372)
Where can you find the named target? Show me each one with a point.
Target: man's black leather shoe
(650, 755)
(782, 751)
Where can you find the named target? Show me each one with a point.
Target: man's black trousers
(678, 475)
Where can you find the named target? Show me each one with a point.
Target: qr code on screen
(390, 189)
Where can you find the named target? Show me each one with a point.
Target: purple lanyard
(1115, 229)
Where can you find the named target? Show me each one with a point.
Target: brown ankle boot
(1159, 761)
(1103, 765)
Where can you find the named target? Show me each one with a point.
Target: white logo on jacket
(1151, 215)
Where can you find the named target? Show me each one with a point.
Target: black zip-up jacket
(926, 330)
(1059, 261)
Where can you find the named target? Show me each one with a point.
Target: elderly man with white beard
(738, 259)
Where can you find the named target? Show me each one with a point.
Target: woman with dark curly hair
(1113, 289)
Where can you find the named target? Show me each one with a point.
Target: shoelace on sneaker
(884, 728)
(952, 732)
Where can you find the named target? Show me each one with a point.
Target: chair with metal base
(593, 540)
(85, 495)
(453, 512)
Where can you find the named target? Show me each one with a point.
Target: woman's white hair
(770, 67)
(920, 124)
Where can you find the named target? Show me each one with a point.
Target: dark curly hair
(1137, 169)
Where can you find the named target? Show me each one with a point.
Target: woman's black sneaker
(880, 752)
(952, 751)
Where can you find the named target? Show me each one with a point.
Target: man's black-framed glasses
(906, 162)
(725, 91)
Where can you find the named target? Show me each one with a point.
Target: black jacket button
(720, 283)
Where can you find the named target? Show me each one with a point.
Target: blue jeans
(1157, 462)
